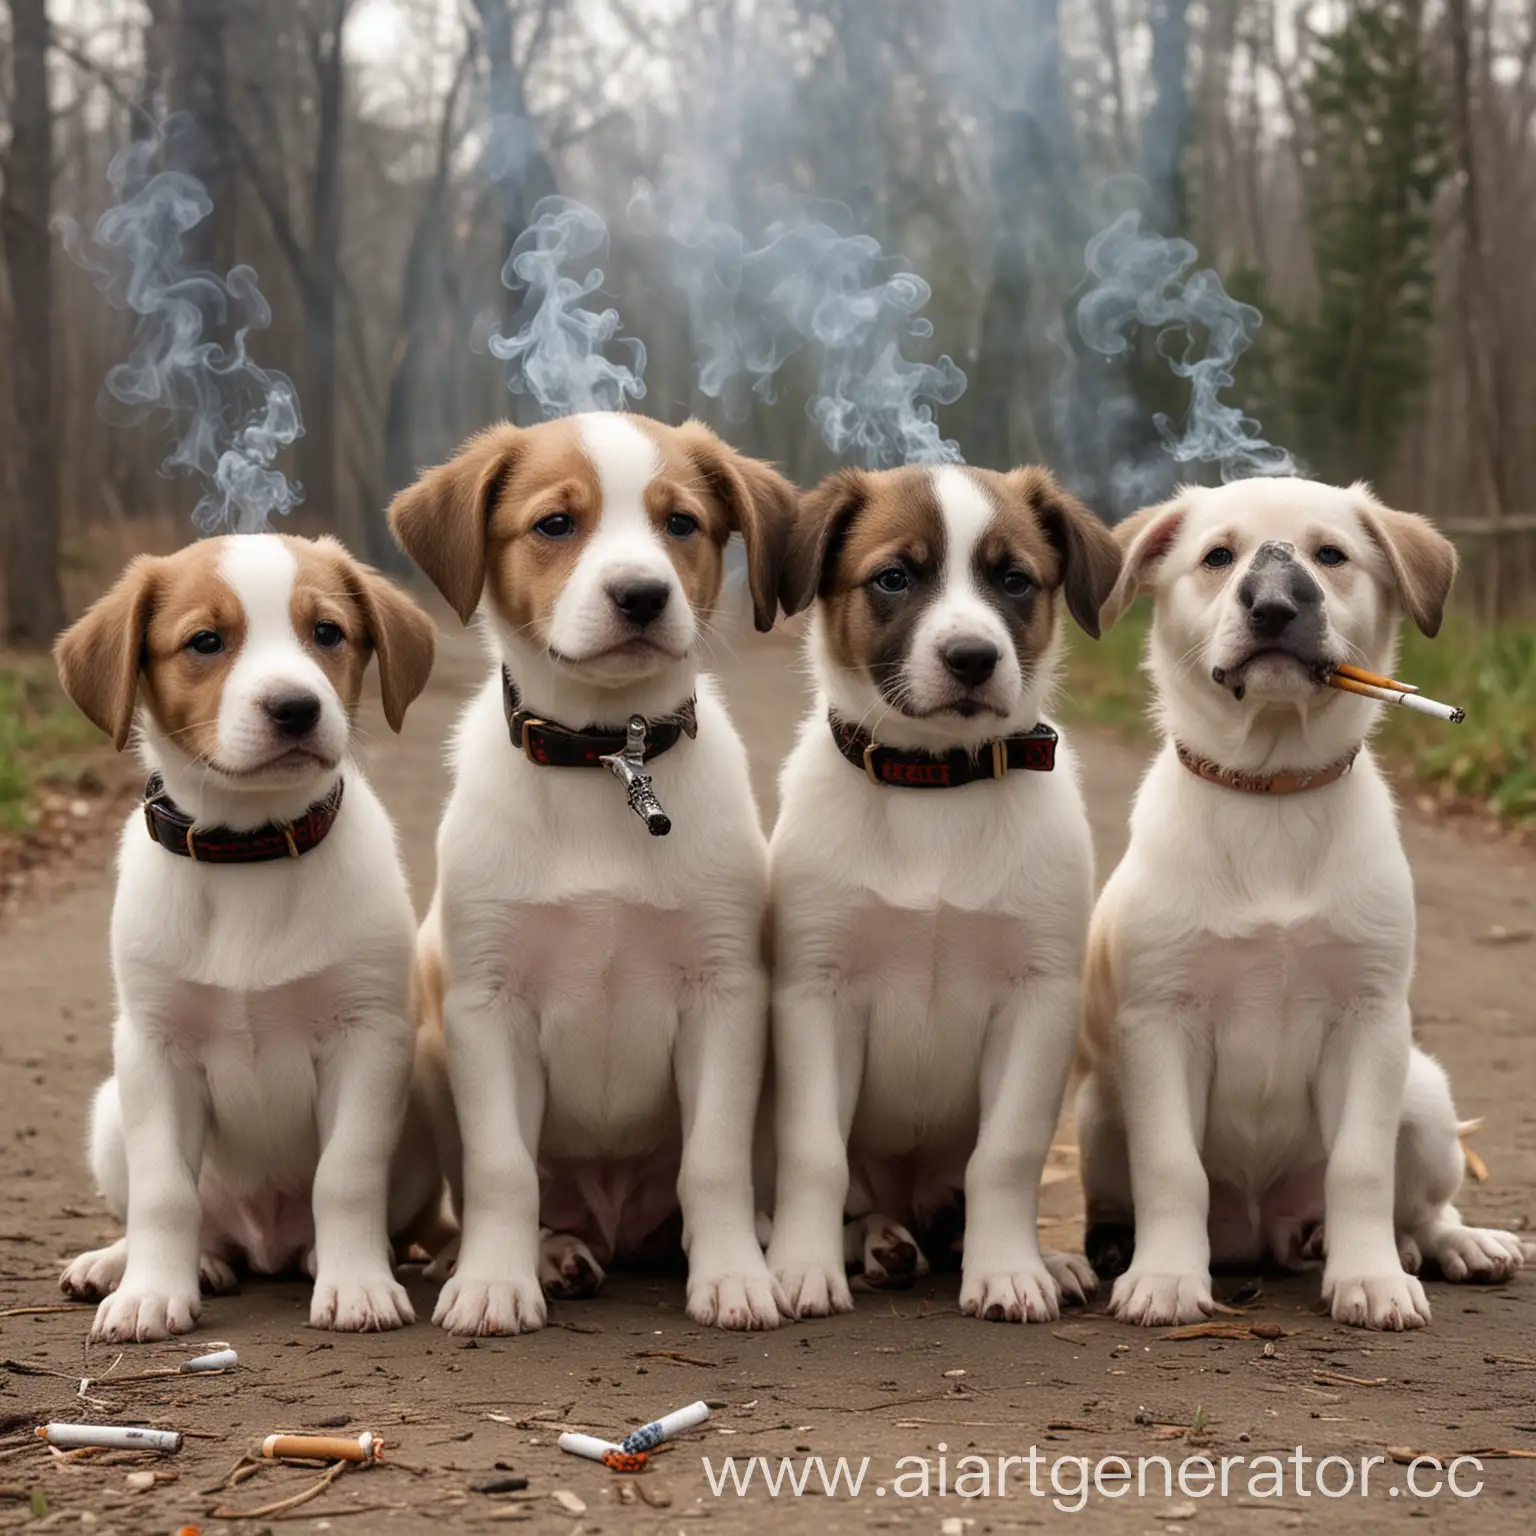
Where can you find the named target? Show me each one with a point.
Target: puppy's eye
(1017, 583)
(558, 525)
(1216, 558)
(328, 636)
(206, 643)
(681, 526)
(1331, 554)
(891, 580)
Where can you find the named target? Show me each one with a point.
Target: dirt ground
(905, 1376)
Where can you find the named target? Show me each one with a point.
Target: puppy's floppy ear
(1423, 561)
(1090, 557)
(99, 657)
(403, 637)
(440, 521)
(823, 520)
(1144, 538)
(761, 503)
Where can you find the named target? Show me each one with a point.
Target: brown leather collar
(1034, 750)
(1290, 781)
(176, 832)
(558, 746)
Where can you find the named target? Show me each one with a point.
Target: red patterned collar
(178, 833)
(1288, 781)
(1033, 751)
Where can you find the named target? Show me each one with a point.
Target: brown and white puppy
(1253, 1073)
(602, 995)
(928, 940)
(263, 1043)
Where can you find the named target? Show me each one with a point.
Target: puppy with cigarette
(1253, 1087)
(590, 974)
(932, 877)
(261, 936)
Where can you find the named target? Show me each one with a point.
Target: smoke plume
(229, 418)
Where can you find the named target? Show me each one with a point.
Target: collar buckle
(999, 759)
(869, 761)
(529, 722)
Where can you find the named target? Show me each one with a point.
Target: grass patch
(44, 739)
(1491, 673)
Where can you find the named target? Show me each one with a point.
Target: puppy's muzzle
(1279, 595)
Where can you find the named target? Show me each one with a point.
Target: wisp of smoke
(232, 418)
(557, 354)
(1144, 279)
(808, 286)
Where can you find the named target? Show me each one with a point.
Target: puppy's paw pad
(95, 1274)
(567, 1268)
(140, 1316)
(1025, 1294)
(746, 1303)
(814, 1290)
(1390, 1303)
(1153, 1300)
(365, 1304)
(891, 1255)
(1073, 1275)
(479, 1307)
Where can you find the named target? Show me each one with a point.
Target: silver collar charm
(628, 767)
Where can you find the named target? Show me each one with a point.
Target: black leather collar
(558, 746)
(1032, 751)
(176, 832)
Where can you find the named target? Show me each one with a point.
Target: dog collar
(1291, 781)
(1033, 751)
(558, 746)
(176, 832)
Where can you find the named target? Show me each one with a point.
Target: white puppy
(931, 886)
(599, 993)
(261, 935)
(1252, 1068)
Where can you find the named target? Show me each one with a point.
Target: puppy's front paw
(372, 1303)
(813, 1289)
(1024, 1293)
(446, 1261)
(97, 1273)
(1160, 1300)
(476, 1307)
(1391, 1302)
(748, 1300)
(890, 1254)
(567, 1268)
(1475, 1255)
(215, 1276)
(140, 1314)
(1073, 1275)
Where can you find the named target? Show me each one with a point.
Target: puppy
(932, 877)
(261, 935)
(1252, 1073)
(600, 991)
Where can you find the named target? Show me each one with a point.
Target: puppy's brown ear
(761, 503)
(1423, 561)
(99, 657)
(440, 521)
(403, 637)
(1144, 538)
(823, 520)
(1090, 557)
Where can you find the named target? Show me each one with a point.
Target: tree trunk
(202, 150)
(1166, 129)
(34, 604)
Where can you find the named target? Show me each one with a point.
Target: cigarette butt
(605, 1451)
(112, 1437)
(652, 1434)
(1414, 701)
(321, 1447)
(1375, 679)
(220, 1360)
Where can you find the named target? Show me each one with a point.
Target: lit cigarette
(654, 1433)
(1414, 701)
(605, 1451)
(110, 1437)
(1375, 679)
(220, 1360)
(321, 1447)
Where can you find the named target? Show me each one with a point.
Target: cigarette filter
(605, 1451)
(112, 1437)
(220, 1360)
(652, 1434)
(321, 1447)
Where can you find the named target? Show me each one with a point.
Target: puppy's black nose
(294, 714)
(1270, 616)
(972, 662)
(640, 601)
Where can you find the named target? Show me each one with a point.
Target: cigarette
(321, 1447)
(1375, 679)
(605, 1451)
(1414, 701)
(220, 1360)
(111, 1437)
(652, 1434)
